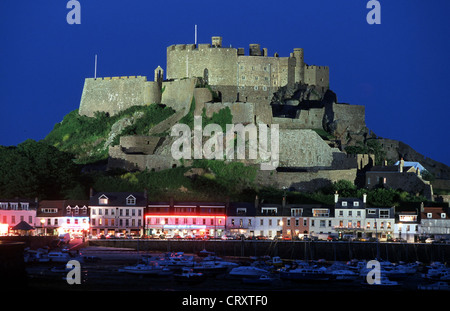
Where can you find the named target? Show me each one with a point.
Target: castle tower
(159, 74)
(216, 41)
(299, 65)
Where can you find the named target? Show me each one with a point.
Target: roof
(436, 212)
(416, 165)
(350, 203)
(23, 225)
(118, 199)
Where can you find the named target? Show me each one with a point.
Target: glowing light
(3, 229)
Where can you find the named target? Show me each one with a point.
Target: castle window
(255, 87)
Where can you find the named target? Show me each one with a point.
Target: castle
(257, 88)
(236, 77)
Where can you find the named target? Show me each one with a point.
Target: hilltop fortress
(257, 88)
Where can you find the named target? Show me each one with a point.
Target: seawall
(341, 251)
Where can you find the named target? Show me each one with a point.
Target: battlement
(117, 78)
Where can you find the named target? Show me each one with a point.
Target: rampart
(115, 94)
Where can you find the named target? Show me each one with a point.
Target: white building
(114, 213)
(407, 226)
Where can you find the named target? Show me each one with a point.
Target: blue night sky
(398, 70)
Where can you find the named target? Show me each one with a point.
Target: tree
(35, 169)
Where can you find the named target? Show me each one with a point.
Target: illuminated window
(103, 200)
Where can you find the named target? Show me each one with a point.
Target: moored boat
(247, 272)
(143, 269)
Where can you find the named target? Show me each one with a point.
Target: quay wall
(340, 251)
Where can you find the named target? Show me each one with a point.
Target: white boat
(187, 275)
(439, 286)
(143, 269)
(213, 267)
(171, 260)
(247, 272)
(59, 257)
(306, 274)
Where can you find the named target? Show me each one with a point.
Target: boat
(247, 272)
(306, 274)
(213, 267)
(385, 283)
(263, 279)
(438, 286)
(171, 260)
(343, 275)
(143, 269)
(205, 253)
(58, 257)
(187, 275)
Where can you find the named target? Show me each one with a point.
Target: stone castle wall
(115, 94)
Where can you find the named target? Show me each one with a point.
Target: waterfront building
(185, 219)
(296, 221)
(63, 216)
(435, 222)
(13, 211)
(117, 214)
(406, 226)
(241, 219)
(354, 218)
(321, 221)
(269, 221)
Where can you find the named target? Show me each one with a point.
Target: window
(24, 206)
(443, 215)
(384, 213)
(355, 203)
(429, 215)
(103, 200)
(320, 212)
(322, 223)
(371, 212)
(312, 222)
(131, 200)
(288, 222)
(344, 203)
(14, 205)
(261, 222)
(341, 213)
(241, 211)
(350, 213)
(296, 212)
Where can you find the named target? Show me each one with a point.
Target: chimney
(91, 192)
(365, 198)
(256, 202)
(283, 202)
(336, 197)
(400, 166)
(385, 162)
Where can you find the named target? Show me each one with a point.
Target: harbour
(127, 269)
